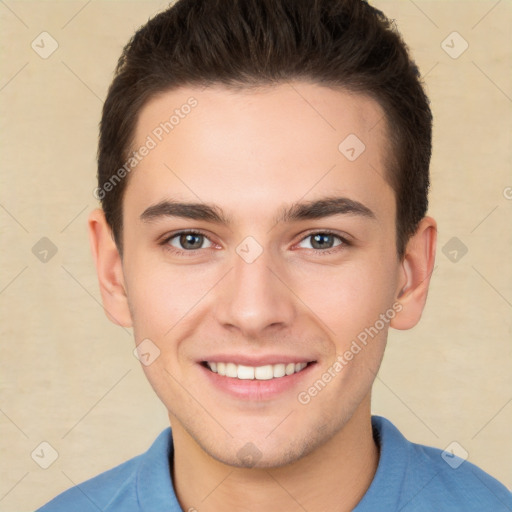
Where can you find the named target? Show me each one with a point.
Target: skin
(252, 153)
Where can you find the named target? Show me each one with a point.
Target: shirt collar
(155, 489)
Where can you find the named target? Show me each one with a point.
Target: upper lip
(246, 360)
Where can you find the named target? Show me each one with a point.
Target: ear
(109, 269)
(417, 268)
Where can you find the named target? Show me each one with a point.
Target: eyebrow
(316, 209)
(325, 207)
(194, 211)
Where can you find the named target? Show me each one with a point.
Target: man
(263, 172)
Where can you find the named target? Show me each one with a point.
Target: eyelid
(344, 238)
(177, 239)
(165, 239)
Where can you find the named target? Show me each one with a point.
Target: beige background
(68, 376)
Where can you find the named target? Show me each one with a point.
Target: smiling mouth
(266, 372)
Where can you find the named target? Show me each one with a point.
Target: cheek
(349, 298)
(349, 302)
(160, 295)
(164, 303)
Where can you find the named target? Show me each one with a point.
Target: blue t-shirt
(410, 477)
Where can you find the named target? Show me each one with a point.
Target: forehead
(261, 147)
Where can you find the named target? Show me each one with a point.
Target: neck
(333, 477)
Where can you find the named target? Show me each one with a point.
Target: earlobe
(109, 269)
(417, 268)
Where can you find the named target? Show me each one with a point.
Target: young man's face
(256, 287)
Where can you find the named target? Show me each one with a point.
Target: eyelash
(343, 242)
(182, 252)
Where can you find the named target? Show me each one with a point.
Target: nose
(255, 298)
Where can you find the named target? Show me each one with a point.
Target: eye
(322, 241)
(189, 241)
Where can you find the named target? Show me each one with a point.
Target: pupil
(321, 241)
(191, 241)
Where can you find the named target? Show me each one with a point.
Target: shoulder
(118, 488)
(98, 492)
(458, 481)
(430, 478)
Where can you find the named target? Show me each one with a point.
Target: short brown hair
(245, 43)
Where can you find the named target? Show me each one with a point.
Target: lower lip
(257, 390)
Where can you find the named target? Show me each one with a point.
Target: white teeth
(279, 370)
(263, 372)
(267, 372)
(221, 368)
(231, 370)
(299, 367)
(245, 372)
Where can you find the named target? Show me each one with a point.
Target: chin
(253, 456)
(264, 451)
